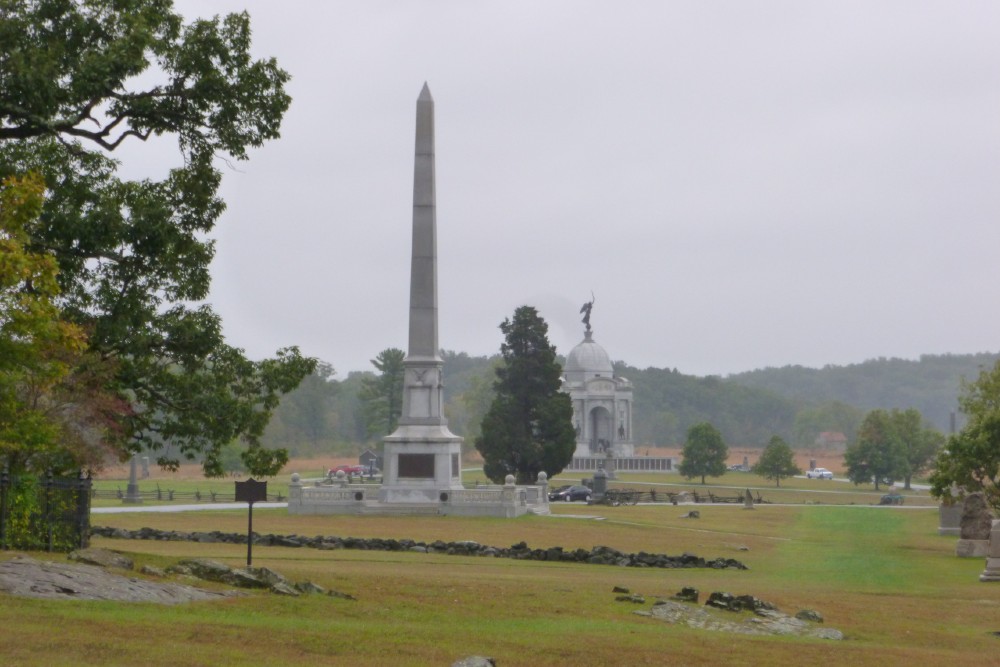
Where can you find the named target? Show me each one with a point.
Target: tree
(37, 348)
(529, 426)
(970, 461)
(664, 429)
(81, 79)
(305, 421)
(827, 416)
(467, 411)
(382, 395)
(879, 453)
(704, 453)
(920, 443)
(776, 462)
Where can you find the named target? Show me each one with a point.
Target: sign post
(250, 491)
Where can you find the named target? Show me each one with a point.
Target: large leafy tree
(970, 461)
(704, 453)
(776, 461)
(79, 79)
(920, 442)
(306, 420)
(382, 395)
(879, 453)
(529, 425)
(37, 348)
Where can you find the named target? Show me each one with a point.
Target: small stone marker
(748, 500)
(132, 495)
(950, 519)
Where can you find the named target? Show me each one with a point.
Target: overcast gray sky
(741, 184)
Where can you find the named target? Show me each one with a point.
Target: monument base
(972, 548)
(325, 496)
(421, 463)
(992, 571)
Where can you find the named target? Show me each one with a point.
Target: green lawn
(881, 575)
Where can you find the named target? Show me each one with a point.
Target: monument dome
(588, 360)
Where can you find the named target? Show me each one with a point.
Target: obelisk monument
(422, 457)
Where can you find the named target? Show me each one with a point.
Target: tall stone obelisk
(422, 457)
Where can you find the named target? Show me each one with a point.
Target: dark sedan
(569, 493)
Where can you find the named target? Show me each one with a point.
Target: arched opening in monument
(600, 430)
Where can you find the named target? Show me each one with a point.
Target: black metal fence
(44, 513)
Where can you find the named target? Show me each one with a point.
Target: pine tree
(382, 395)
(529, 426)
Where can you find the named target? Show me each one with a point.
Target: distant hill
(930, 384)
(667, 403)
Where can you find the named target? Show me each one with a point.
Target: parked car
(570, 493)
(819, 473)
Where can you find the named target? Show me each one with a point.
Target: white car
(819, 473)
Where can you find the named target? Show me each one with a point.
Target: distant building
(368, 459)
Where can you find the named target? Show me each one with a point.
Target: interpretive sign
(250, 491)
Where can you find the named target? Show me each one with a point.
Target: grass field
(881, 575)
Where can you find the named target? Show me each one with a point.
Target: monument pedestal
(972, 548)
(421, 464)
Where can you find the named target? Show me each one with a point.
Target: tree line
(748, 409)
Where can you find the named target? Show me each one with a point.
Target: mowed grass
(881, 575)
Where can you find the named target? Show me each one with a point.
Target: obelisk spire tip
(425, 94)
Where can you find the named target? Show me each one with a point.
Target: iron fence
(44, 513)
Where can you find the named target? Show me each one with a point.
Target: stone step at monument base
(401, 509)
(540, 511)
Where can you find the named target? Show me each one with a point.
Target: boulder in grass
(102, 558)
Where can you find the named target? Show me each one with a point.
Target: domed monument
(602, 402)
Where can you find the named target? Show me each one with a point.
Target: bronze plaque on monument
(419, 466)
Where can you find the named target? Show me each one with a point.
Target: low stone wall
(599, 555)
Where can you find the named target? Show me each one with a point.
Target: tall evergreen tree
(704, 453)
(382, 395)
(529, 426)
